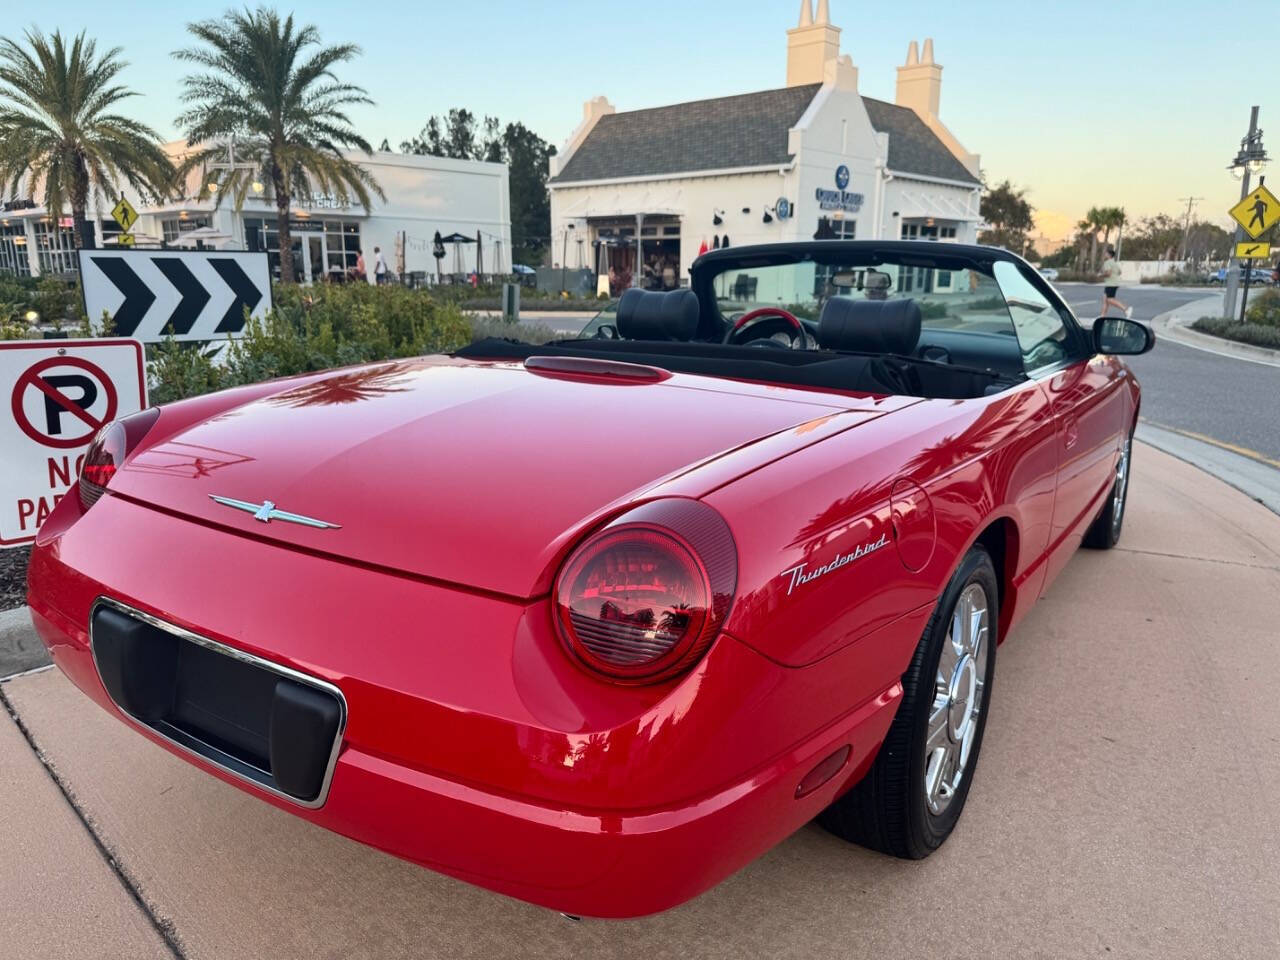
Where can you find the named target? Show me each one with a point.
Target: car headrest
(655, 315)
(870, 326)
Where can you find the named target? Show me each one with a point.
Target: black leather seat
(658, 315)
(870, 326)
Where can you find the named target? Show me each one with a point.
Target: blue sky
(1118, 104)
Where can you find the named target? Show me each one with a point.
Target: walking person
(1111, 284)
(360, 277)
(380, 275)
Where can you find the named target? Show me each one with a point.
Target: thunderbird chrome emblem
(266, 512)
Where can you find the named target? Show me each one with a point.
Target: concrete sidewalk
(1124, 806)
(1176, 325)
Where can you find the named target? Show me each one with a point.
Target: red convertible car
(596, 622)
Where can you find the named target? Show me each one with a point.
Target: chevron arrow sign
(189, 294)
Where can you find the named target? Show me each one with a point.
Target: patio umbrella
(457, 239)
(206, 235)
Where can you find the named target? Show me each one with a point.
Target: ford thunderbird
(596, 622)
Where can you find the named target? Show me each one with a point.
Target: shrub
(56, 301)
(1179, 278)
(309, 329)
(483, 327)
(1264, 309)
(1257, 334)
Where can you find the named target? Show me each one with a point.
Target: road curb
(20, 648)
(1175, 325)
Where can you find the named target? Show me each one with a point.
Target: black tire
(888, 810)
(1104, 532)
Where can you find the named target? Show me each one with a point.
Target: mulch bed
(13, 577)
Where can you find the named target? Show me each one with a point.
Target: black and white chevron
(189, 294)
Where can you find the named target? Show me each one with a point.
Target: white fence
(1132, 271)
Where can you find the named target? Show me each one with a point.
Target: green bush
(1264, 309)
(1180, 278)
(310, 329)
(56, 301)
(1257, 334)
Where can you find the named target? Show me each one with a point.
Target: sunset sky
(1116, 104)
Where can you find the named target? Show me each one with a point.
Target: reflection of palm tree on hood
(345, 388)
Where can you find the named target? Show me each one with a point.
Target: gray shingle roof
(748, 130)
(913, 147)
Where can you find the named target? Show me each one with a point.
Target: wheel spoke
(937, 735)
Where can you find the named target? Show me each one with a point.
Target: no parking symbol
(60, 394)
(70, 387)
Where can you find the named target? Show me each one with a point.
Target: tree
(57, 128)
(1006, 209)
(269, 89)
(460, 136)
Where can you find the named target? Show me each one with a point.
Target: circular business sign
(842, 177)
(69, 398)
(784, 208)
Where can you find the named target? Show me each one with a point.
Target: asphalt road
(1231, 401)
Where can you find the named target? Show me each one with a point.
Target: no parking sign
(54, 396)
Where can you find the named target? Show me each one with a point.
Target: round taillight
(641, 601)
(108, 450)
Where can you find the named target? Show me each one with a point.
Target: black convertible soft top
(698, 349)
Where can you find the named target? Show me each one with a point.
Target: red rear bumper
(489, 758)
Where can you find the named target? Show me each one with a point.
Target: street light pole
(1233, 276)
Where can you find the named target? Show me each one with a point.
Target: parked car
(1049, 273)
(1256, 275)
(595, 623)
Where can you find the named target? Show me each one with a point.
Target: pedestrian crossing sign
(1257, 213)
(1253, 250)
(124, 214)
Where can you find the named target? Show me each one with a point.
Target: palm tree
(278, 103)
(1093, 219)
(57, 129)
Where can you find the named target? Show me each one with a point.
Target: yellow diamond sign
(124, 214)
(1258, 212)
(1253, 250)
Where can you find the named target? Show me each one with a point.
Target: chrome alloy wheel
(957, 699)
(1122, 486)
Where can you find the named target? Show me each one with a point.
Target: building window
(175, 227)
(342, 244)
(830, 228)
(13, 249)
(55, 247)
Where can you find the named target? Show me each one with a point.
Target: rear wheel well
(1000, 539)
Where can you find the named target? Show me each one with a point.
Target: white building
(811, 158)
(424, 195)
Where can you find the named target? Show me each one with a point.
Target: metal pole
(1233, 276)
(1247, 266)
(564, 258)
(1120, 237)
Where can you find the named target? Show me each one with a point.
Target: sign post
(54, 397)
(125, 216)
(1257, 212)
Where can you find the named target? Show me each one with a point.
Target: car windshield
(948, 299)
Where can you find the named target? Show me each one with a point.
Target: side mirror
(1120, 335)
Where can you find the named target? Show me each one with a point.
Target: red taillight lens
(642, 600)
(107, 453)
